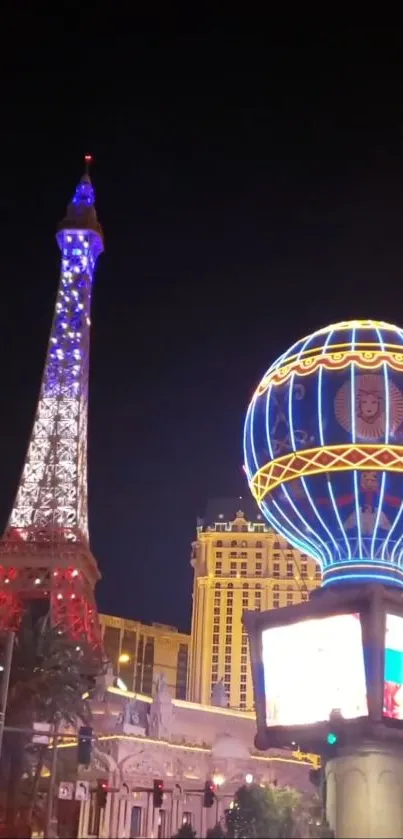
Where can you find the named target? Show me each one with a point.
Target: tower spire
(45, 551)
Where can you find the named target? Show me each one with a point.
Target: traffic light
(209, 794)
(84, 745)
(158, 793)
(334, 734)
(102, 793)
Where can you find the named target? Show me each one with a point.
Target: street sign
(66, 790)
(82, 791)
(42, 727)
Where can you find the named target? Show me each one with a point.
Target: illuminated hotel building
(239, 563)
(140, 653)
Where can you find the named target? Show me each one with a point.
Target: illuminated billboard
(312, 668)
(393, 668)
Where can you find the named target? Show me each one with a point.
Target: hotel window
(276, 546)
(127, 668)
(218, 554)
(243, 544)
(233, 554)
(139, 665)
(244, 555)
(290, 595)
(290, 569)
(259, 545)
(112, 646)
(304, 570)
(258, 569)
(181, 671)
(243, 569)
(148, 668)
(304, 595)
(233, 569)
(217, 610)
(135, 822)
(216, 638)
(219, 544)
(218, 569)
(276, 569)
(318, 573)
(233, 544)
(187, 819)
(228, 639)
(258, 555)
(244, 668)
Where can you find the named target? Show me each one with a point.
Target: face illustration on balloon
(369, 405)
(364, 408)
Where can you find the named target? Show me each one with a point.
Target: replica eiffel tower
(44, 553)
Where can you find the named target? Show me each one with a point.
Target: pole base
(364, 793)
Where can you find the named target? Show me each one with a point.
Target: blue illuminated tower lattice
(44, 552)
(323, 449)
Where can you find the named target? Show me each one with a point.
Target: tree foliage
(49, 677)
(185, 832)
(274, 813)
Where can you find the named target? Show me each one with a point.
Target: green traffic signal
(332, 738)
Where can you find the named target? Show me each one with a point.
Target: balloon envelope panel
(323, 447)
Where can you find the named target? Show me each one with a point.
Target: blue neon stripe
(267, 415)
(322, 442)
(308, 527)
(383, 578)
(303, 544)
(252, 441)
(354, 440)
(386, 541)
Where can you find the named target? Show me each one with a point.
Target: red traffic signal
(102, 793)
(209, 794)
(158, 793)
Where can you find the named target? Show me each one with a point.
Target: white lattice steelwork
(45, 549)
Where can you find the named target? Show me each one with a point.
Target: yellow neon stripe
(363, 359)
(339, 458)
(359, 345)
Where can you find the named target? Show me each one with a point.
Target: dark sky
(251, 190)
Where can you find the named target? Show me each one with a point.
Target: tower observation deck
(44, 553)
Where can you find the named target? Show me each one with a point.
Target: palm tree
(50, 676)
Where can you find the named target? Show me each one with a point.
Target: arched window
(243, 544)
(233, 544)
(259, 545)
(245, 585)
(219, 543)
(276, 546)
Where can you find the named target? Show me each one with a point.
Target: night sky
(250, 191)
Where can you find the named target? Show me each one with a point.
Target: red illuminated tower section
(45, 554)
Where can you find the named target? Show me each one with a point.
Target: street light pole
(52, 782)
(5, 683)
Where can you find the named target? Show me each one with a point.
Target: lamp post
(218, 781)
(6, 670)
